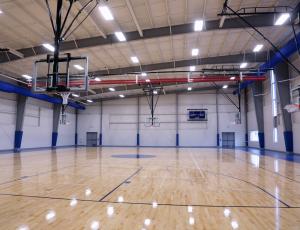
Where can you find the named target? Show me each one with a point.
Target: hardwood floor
(163, 188)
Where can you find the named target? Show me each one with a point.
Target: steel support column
(217, 113)
(257, 91)
(21, 105)
(281, 72)
(101, 119)
(246, 117)
(138, 123)
(56, 116)
(76, 127)
(177, 121)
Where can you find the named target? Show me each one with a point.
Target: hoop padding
(152, 122)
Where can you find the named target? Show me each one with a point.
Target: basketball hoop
(65, 97)
(292, 108)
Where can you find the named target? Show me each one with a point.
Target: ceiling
(25, 25)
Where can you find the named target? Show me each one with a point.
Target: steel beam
(257, 92)
(230, 23)
(226, 59)
(281, 72)
(21, 105)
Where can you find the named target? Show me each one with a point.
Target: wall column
(76, 127)
(101, 119)
(217, 113)
(257, 92)
(246, 117)
(21, 105)
(138, 123)
(177, 121)
(56, 116)
(281, 72)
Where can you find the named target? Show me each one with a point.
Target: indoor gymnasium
(149, 114)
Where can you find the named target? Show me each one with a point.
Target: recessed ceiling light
(105, 11)
(155, 92)
(121, 96)
(144, 74)
(232, 78)
(111, 89)
(75, 95)
(189, 88)
(134, 59)
(79, 67)
(192, 68)
(147, 80)
(97, 79)
(225, 86)
(198, 25)
(258, 48)
(195, 52)
(120, 36)
(27, 77)
(282, 19)
(87, 192)
(243, 65)
(49, 47)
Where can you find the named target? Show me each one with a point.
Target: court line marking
(150, 204)
(247, 182)
(123, 182)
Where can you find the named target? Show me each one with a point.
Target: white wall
(7, 120)
(38, 122)
(268, 120)
(120, 121)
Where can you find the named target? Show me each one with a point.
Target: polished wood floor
(163, 188)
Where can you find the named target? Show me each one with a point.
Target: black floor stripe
(150, 204)
(123, 182)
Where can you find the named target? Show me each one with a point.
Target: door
(91, 139)
(228, 139)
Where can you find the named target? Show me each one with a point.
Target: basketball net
(292, 108)
(65, 97)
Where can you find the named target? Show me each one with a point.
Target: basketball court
(126, 114)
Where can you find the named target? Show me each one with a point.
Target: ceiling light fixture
(105, 11)
(79, 67)
(232, 78)
(198, 25)
(112, 89)
(27, 77)
(192, 68)
(155, 92)
(258, 48)
(225, 86)
(243, 65)
(144, 74)
(134, 59)
(282, 19)
(75, 95)
(189, 88)
(195, 52)
(97, 79)
(49, 47)
(147, 80)
(121, 96)
(120, 36)
(87, 192)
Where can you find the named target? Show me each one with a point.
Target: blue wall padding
(18, 140)
(10, 88)
(261, 138)
(138, 139)
(246, 139)
(218, 139)
(288, 49)
(76, 139)
(177, 139)
(54, 139)
(288, 139)
(100, 139)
